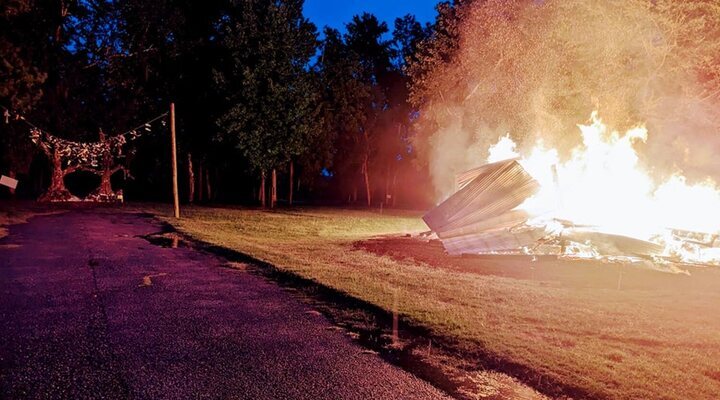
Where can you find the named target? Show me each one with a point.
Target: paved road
(78, 321)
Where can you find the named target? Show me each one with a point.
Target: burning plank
(612, 244)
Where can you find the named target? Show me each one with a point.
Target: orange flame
(603, 185)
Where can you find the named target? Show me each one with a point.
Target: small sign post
(9, 182)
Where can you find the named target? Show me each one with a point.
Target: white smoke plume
(536, 69)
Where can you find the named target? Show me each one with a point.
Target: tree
(66, 157)
(364, 40)
(384, 136)
(366, 114)
(345, 95)
(20, 83)
(265, 82)
(408, 36)
(147, 54)
(397, 152)
(436, 50)
(173, 47)
(20, 80)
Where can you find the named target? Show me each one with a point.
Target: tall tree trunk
(57, 182)
(11, 174)
(366, 167)
(367, 180)
(63, 14)
(262, 189)
(104, 192)
(191, 180)
(273, 191)
(201, 176)
(207, 184)
(57, 190)
(292, 183)
(105, 188)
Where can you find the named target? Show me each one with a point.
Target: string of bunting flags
(84, 153)
(100, 157)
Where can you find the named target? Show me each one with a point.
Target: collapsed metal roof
(483, 217)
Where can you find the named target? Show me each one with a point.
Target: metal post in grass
(395, 321)
(176, 196)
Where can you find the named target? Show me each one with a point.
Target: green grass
(660, 343)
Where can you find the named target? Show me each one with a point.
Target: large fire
(603, 186)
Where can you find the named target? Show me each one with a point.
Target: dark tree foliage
(256, 92)
(30, 38)
(264, 81)
(368, 115)
(437, 47)
(20, 79)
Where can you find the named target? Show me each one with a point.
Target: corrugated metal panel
(479, 218)
(491, 204)
(498, 188)
(506, 221)
(463, 178)
(494, 241)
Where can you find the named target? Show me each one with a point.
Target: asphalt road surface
(88, 310)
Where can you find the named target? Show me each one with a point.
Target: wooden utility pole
(176, 196)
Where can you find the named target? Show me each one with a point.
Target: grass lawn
(658, 336)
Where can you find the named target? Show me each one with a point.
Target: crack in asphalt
(98, 331)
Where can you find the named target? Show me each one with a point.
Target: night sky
(336, 13)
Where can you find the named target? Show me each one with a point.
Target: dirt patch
(713, 375)
(548, 269)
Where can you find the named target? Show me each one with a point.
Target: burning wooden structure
(485, 216)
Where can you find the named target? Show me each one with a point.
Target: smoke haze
(536, 69)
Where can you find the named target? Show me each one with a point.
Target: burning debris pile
(599, 204)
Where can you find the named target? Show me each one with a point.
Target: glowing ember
(603, 186)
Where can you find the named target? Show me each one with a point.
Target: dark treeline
(266, 103)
